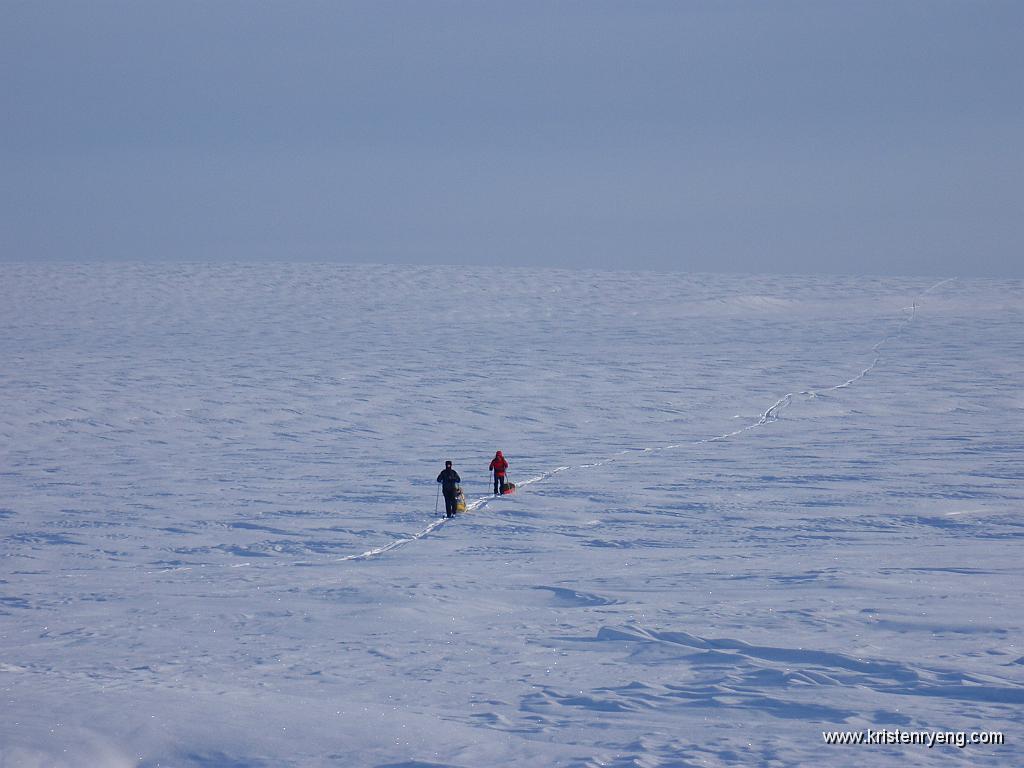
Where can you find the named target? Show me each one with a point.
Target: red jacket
(499, 465)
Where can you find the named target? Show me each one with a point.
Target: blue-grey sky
(838, 137)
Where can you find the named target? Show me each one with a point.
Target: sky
(786, 137)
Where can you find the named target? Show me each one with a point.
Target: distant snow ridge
(770, 415)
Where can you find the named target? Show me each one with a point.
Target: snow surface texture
(750, 510)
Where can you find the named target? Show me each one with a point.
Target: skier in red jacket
(498, 467)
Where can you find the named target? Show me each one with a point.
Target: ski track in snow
(770, 415)
(170, 465)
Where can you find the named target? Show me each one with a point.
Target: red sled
(508, 488)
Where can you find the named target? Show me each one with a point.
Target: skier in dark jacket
(498, 466)
(449, 480)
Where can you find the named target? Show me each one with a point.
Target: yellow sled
(460, 501)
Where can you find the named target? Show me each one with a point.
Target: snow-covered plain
(751, 510)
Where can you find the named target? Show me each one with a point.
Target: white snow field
(751, 510)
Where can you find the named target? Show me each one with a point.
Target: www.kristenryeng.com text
(930, 739)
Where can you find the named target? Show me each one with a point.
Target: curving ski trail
(477, 503)
(769, 416)
(772, 413)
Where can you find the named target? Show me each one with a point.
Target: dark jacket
(448, 479)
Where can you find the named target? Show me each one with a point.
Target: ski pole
(436, 499)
